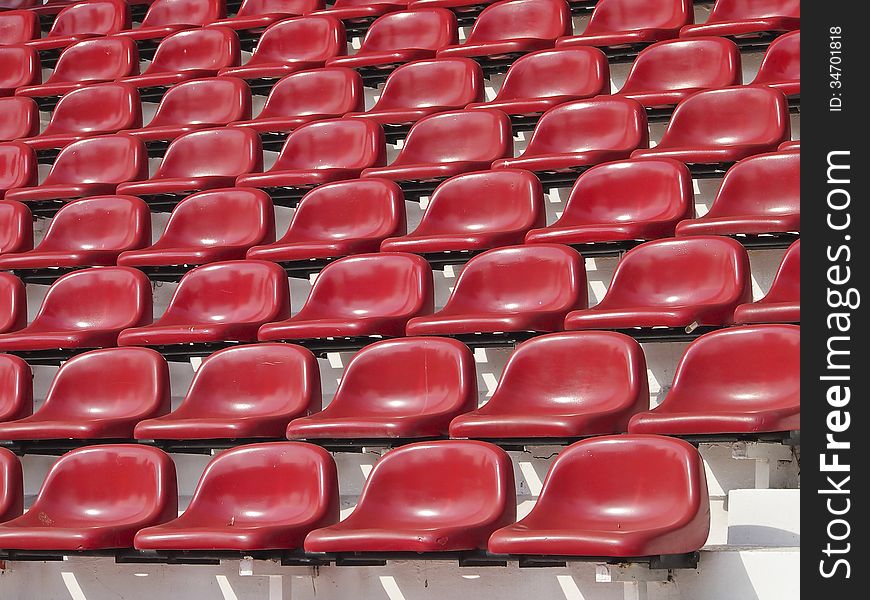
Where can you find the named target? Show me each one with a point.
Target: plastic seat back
(17, 26)
(329, 92)
(95, 17)
(253, 8)
(333, 143)
(313, 38)
(223, 152)
(16, 393)
(424, 29)
(19, 118)
(521, 19)
(16, 227)
(96, 109)
(474, 136)
(11, 486)
(447, 82)
(105, 159)
(184, 12)
(604, 123)
(782, 61)
(765, 184)
(19, 66)
(743, 10)
(100, 59)
(616, 16)
(17, 166)
(563, 72)
(13, 303)
(210, 101)
(209, 48)
(786, 286)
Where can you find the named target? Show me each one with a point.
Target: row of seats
(442, 496)
(623, 201)
(670, 283)
(742, 380)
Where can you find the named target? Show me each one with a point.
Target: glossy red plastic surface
(782, 304)
(583, 133)
(363, 295)
(628, 22)
(190, 55)
(405, 388)
(738, 380)
(781, 66)
(11, 486)
(18, 26)
(623, 201)
(476, 211)
(353, 10)
(86, 233)
(17, 167)
(88, 167)
(725, 125)
(563, 385)
(741, 17)
(89, 112)
(668, 72)
(209, 227)
(309, 96)
(620, 496)
(513, 289)
(19, 67)
(256, 14)
(13, 303)
(514, 27)
(336, 219)
(427, 497)
(16, 228)
(165, 17)
(16, 390)
(84, 20)
(221, 302)
(450, 143)
(400, 37)
(541, 80)
(672, 283)
(324, 151)
(202, 160)
(19, 118)
(192, 105)
(100, 394)
(760, 194)
(84, 63)
(256, 497)
(243, 392)
(791, 145)
(97, 497)
(425, 87)
(86, 309)
(293, 45)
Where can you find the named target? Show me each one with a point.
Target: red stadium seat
(166, 17)
(318, 153)
(292, 45)
(539, 81)
(782, 304)
(512, 290)
(363, 295)
(362, 10)
(251, 293)
(438, 496)
(16, 394)
(621, 25)
(17, 167)
(447, 144)
(86, 233)
(668, 72)
(89, 112)
(505, 30)
(425, 87)
(89, 167)
(243, 392)
(13, 303)
(397, 389)
(574, 136)
(759, 195)
(16, 228)
(11, 486)
(476, 211)
(85, 63)
(19, 118)
(337, 219)
(789, 146)
(97, 498)
(738, 380)
(624, 201)
(748, 18)
(781, 66)
(257, 497)
(85, 309)
(84, 20)
(563, 385)
(208, 227)
(197, 104)
(200, 160)
(257, 14)
(100, 394)
(18, 26)
(678, 282)
(19, 67)
(616, 496)
(718, 127)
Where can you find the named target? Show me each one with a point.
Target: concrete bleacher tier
(399, 299)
